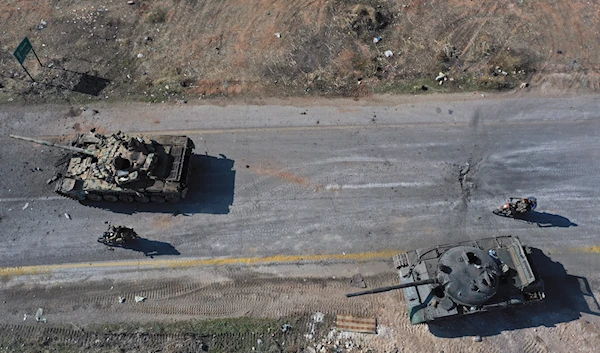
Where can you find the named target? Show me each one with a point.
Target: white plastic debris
(121, 299)
(67, 216)
(139, 298)
(440, 76)
(38, 315)
(278, 35)
(43, 22)
(130, 2)
(376, 39)
(140, 55)
(318, 317)
(25, 206)
(388, 53)
(24, 317)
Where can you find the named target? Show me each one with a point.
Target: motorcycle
(118, 236)
(516, 207)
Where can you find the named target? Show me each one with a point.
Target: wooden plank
(356, 324)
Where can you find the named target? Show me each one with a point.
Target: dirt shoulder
(275, 308)
(177, 50)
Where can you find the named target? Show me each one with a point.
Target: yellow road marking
(181, 263)
(590, 249)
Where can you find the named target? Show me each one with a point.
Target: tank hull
(125, 168)
(518, 284)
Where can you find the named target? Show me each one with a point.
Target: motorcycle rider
(518, 205)
(522, 205)
(119, 234)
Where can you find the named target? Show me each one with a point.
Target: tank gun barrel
(389, 288)
(51, 144)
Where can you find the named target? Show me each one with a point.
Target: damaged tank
(466, 278)
(120, 167)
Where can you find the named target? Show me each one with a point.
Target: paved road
(340, 177)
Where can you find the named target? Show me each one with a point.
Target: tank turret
(465, 278)
(120, 167)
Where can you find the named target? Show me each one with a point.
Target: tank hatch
(470, 276)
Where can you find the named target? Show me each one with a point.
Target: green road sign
(22, 50)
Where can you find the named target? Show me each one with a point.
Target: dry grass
(229, 48)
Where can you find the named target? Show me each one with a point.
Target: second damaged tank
(120, 167)
(466, 278)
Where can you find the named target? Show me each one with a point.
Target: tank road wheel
(94, 197)
(142, 198)
(173, 198)
(126, 198)
(110, 198)
(157, 199)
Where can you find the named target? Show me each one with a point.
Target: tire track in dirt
(254, 297)
(273, 298)
(534, 344)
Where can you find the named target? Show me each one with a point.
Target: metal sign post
(21, 54)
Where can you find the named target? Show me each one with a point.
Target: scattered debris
(67, 216)
(25, 206)
(318, 317)
(38, 315)
(121, 300)
(358, 281)
(286, 327)
(441, 77)
(139, 299)
(44, 23)
(388, 53)
(376, 39)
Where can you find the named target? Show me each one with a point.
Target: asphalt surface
(340, 177)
